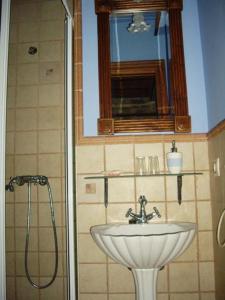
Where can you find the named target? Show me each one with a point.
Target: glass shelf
(132, 175)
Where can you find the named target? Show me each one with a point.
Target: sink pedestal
(145, 283)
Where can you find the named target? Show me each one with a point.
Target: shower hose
(41, 180)
(220, 243)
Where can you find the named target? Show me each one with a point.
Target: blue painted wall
(193, 61)
(212, 26)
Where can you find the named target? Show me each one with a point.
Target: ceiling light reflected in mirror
(138, 24)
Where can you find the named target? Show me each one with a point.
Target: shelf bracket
(106, 201)
(179, 188)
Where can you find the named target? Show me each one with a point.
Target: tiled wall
(191, 276)
(217, 150)
(35, 130)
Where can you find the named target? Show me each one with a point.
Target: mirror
(142, 85)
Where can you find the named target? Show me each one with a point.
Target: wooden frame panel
(181, 120)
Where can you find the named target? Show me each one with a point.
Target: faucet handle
(142, 200)
(128, 212)
(157, 212)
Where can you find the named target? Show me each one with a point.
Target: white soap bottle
(174, 160)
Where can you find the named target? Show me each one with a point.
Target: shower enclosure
(36, 139)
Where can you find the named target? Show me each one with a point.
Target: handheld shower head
(9, 187)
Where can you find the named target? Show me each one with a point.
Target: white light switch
(216, 167)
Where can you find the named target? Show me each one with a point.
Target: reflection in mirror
(138, 47)
(134, 97)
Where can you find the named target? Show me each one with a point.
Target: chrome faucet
(142, 217)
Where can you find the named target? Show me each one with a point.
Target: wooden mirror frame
(180, 122)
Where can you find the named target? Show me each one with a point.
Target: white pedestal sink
(144, 248)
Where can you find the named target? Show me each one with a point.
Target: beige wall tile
(9, 240)
(119, 157)
(21, 214)
(9, 166)
(204, 215)
(10, 142)
(121, 190)
(11, 75)
(90, 159)
(162, 297)
(92, 297)
(85, 188)
(201, 156)
(28, 12)
(33, 264)
(10, 288)
(88, 251)
(45, 214)
(28, 32)
(207, 279)
(55, 291)
(51, 30)
(116, 212)
(27, 74)
(49, 118)
(180, 271)
(92, 278)
(9, 215)
(11, 97)
(49, 141)
(184, 212)
(27, 96)
(90, 215)
(188, 188)
(20, 236)
(50, 51)
(51, 95)
(191, 253)
(122, 297)
(50, 165)
(21, 194)
(26, 142)
(51, 72)
(25, 164)
(12, 54)
(203, 186)
(151, 150)
(10, 120)
(55, 184)
(10, 264)
(184, 296)
(208, 296)
(162, 282)
(46, 239)
(118, 274)
(9, 197)
(26, 119)
(206, 245)
(47, 264)
(13, 35)
(22, 284)
(52, 10)
(187, 150)
(151, 187)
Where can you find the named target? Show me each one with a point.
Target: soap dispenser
(174, 160)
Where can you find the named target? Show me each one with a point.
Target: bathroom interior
(38, 142)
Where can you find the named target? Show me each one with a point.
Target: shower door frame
(4, 48)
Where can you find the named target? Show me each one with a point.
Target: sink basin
(144, 248)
